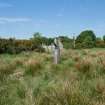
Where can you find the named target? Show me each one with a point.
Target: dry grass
(7, 69)
(78, 80)
(100, 86)
(84, 66)
(19, 61)
(32, 66)
(64, 93)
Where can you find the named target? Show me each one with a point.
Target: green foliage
(67, 42)
(83, 35)
(13, 46)
(37, 39)
(86, 39)
(104, 38)
(88, 43)
(100, 44)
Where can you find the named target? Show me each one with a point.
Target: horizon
(21, 18)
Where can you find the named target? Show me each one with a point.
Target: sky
(22, 18)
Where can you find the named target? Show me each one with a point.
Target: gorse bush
(15, 46)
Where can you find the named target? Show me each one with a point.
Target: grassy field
(32, 79)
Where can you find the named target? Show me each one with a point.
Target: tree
(88, 42)
(67, 42)
(86, 39)
(37, 38)
(104, 38)
(37, 41)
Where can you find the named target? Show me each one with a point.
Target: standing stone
(56, 51)
(60, 45)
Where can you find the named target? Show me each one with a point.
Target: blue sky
(21, 18)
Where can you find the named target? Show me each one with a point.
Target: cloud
(13, 20)
(5, 5)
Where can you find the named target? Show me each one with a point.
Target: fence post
(74, 42)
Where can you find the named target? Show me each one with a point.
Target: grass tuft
(32, 67)
(83, 66)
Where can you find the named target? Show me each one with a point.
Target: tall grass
(65, 93)
(79, 79)
(32, 67)
(7, 69)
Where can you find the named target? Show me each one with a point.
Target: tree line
(86, 39)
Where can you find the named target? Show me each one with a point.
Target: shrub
(86, 39)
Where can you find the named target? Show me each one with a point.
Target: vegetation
(86, 39)
(15, 46)
(31, 78)
(28, 77)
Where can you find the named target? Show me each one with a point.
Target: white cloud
(5, 5)
(13, 20)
